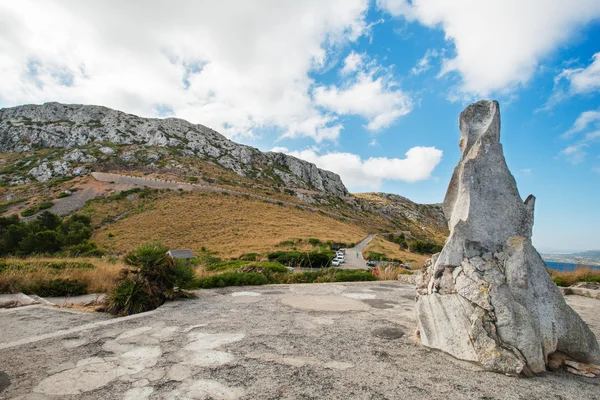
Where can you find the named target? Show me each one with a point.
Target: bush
(61, 287)
(560, 282)
(46, 234)
(29, 212)
(424, 247)
(193, 179)
(314, 241)
(45, 205)
(330, 275)
(62, 195)
(231, 279)
(152, 279)
(302, 260)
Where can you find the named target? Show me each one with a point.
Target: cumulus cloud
(498, 44)
(369, 94)
(587, 126)
(584, 80)
(585, 120)
(358, 174)
(574, 81)
(575, 153)
(234, 66)
(352, 63)
(424, 63)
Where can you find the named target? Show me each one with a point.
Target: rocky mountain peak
(55, 125)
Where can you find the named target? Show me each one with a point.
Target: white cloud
(585, 120)
(234, 66)
(352, 63)
(279, 149)
(498, 44)
(584, 80)
(587, 123)
(424, 63)
(373, 143)
(573, 81)
(359, 174)
(575, 153)
(375, 98)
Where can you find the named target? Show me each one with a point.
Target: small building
(181, 255)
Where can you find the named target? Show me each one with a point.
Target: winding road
(354, 262)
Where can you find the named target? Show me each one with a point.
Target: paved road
(354, 262)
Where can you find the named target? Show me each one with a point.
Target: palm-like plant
(151, 279)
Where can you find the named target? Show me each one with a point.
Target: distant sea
(562, 266)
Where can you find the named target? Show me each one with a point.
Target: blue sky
(369, 89)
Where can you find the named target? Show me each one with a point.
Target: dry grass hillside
(392, 250)
(227, 224)
(420, 221)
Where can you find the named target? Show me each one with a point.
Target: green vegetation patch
(7, 204)
(303, 259)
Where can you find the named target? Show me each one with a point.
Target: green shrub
(61, 287)
(353, 276)
(45, 205)
(29, 212)
(329, 275)
(62, 195)
(231, 279)
(193, 179)
(314, 241)
(560, 282)
(302, 260)
(226, 265)
(152, 278)
(590, 278)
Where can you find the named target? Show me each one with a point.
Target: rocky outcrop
(487, 296)
(56, 125)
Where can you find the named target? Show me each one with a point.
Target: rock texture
(54, 125)
(487, 296)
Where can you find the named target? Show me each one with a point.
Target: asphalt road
(354, 257)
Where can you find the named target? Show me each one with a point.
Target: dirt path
(134, 181)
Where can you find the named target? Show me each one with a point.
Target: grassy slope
(230, 225)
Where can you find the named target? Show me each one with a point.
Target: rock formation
(54, 125)
(487, 297)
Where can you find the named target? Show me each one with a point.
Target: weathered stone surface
(487, 296)
(56, 125)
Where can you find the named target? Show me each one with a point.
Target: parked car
(371, 263)
(335, 262)
(340, 258)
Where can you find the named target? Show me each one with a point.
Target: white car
(341, 258)
(335, 262)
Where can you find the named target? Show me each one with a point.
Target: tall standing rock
(487, 296)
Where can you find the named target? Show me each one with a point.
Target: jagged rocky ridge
(487, 296)
(54, 125)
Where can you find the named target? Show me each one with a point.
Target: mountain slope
(55, 125)
(52, 151)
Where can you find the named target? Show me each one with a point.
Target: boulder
(487, 297)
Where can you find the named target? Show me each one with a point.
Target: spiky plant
(151, 279)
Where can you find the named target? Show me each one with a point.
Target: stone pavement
(314, 341)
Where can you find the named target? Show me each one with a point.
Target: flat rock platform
(314, 341)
